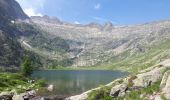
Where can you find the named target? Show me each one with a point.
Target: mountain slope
(53, 43)
(114, 47)
(11, 10)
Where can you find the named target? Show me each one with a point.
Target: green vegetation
(130, 80)
(101, 94)
(18, 82)
(27, 68)
(135, 94)
(137, 61)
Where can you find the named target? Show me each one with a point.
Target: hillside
(111, 47)
(52, 43)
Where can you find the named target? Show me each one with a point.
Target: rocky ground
(150, 84)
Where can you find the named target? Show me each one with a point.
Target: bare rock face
(148, 78)
(165, 84)
(118, 90)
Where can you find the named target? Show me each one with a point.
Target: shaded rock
(5, 96)
(24, 96)
(118, 90)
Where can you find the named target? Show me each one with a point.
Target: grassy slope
(137, 61)
(17, 82)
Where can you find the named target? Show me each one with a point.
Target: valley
(39, 54)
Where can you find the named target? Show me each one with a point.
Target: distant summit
(47, 19)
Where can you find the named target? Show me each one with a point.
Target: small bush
(27, 68)
(101, 94)
(130, 81)
(41, 82)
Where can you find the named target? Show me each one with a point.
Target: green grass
(135, 95)
(16, 81)
(137, 61)
(101, 94)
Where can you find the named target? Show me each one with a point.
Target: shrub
(101, 94)
(27, 68)
(130, 81)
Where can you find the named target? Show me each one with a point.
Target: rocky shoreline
(119, 87)
(144, 79)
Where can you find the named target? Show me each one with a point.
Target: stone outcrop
(118, 90)
(165, 84)
(142, 80)
(12, 95)
(148, 78)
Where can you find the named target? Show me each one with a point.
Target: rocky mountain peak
(10, 9)
(47, 19)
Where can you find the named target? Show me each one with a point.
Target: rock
(50, 88)
(157, 97)
(118, 90)
(5, 96)
(16, 97)
(151, 97)
(83, 96)
(165, 85)
(13, 92)
(148, 78)
(164, 79)
(142, 95)
(32, 93)
(24, 96)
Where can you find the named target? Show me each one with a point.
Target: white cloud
(76, 22)
(97, 6)
(32, 7)
(32, 12)
(99, 19)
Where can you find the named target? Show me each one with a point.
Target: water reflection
(76, 81)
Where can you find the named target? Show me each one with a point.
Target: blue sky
(119, 12)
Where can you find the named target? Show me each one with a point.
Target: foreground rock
(134, 83)
(148, 78)
(118, 90)
(30, 95)
(50, 88)
(5, 96)
(165, 85)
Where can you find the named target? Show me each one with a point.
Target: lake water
(72, 82)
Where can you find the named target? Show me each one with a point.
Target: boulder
(5, 96)
(16, 97)
(50, 88)
(118, 90)
(148, 78)
(32, 93)
(24, 96)
(164, 79)
(83, 96)
(157, 97)
(165, 85)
